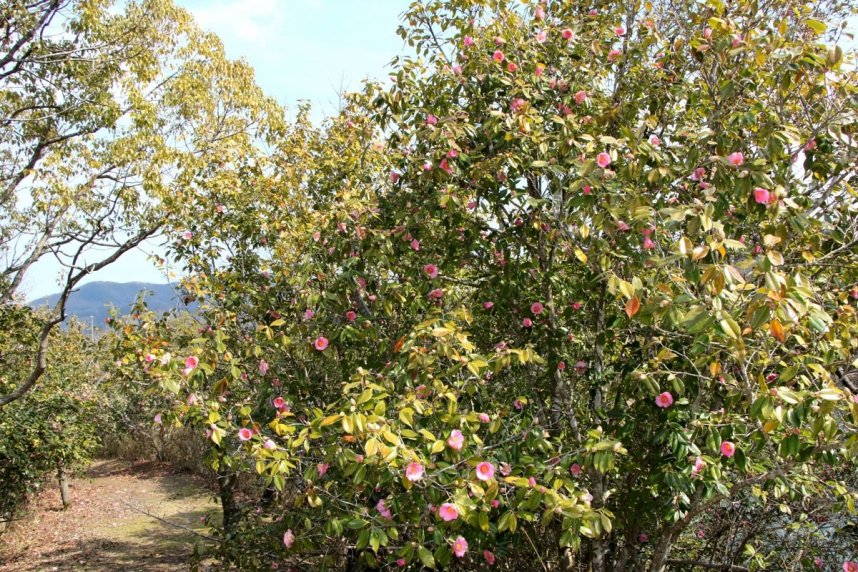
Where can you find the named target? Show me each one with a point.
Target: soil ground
(104, 530)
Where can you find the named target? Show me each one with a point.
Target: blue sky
(301, 50)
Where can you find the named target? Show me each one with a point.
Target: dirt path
(100, 533)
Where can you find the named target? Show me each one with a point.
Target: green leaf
(426, 557)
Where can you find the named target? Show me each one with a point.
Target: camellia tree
(578, 291)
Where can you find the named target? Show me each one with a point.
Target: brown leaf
(632, 306)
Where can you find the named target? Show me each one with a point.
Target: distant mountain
(95, 299)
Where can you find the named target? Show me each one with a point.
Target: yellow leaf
(776, 329)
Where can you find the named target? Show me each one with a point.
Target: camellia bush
(576, 291)
(53, 432)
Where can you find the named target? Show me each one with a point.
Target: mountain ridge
(94, 299)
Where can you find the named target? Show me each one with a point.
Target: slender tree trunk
(661, 552)
(64, 486)
(226, 480)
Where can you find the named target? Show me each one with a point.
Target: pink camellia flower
(539, 70)
(383, 510)
(457, 69)
(567, 34)
(499, 41)
(322, 468)
(531, 482)
(448, 512)
(157, 418)
(495, 503)
(431, 120)
(736, 159)
(699, 463)
(244, 434)
(436, 294)
(588, 498)
(489, 557)
(527, 323)
(192, 399)
(149, 358)
(561, 366)
(309, 314)
(444, 165)
(288, 538)
(512, 67)
(269, 444)
(620, 31)
(351, 315)
(854, 293)
(427, 166)
(728, 449)
(575, 469)
(414, 471)
(587, 189)
(654, 140)
(456, 440)
(505, 469)
(488, 305)
(516, 104)
(484, 417)
(707, 33)
(518, 404)
(699, 174)
(485, 471)
(536, 308)
(321, 343)
(850, 566)
(279, 403)
(394, 177)
(191, 362)
(761, 195)
(818, 562)
(468, 41)
(498, 56)
(401, 563)
(603, 160)
(452, 154)
(580, 97)
(593, 12)
(263, 367)
(460, 546)
(187, 235)
(539, 13)
(614, 55)
(577, 305)
(580, 367)
(431, 270)
(541, 36)
(664, 400)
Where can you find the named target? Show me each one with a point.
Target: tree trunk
(226, 486)
(64, 487)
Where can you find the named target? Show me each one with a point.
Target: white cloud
(249, 21)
